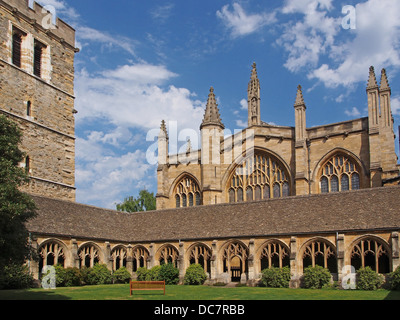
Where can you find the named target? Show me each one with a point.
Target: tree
(145, 202)
(16, 207)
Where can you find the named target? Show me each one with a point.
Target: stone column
(252, 272)
(151, 259)
(182, 262)
(107, 256)
(295, 280)
(74, 254)
(340, 251)
(129, 259)
(395, 251)
(214, 262)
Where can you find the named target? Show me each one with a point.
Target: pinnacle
(212, 116)
(299, 97)
(384, 81)
(163, 129)
(372, 83)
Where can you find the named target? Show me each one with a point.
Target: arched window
(50, 254)
(371, 253)
(187, 193)
(140, 257)
(200, 254)
(88, 256)
(118, 257)
(261, 177)
(168, 254)
(320, 253)
(274, 254)
(339, 173)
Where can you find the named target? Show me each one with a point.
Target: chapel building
(268, 161)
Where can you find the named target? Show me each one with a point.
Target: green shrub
(141, 274)
(69, 277)
(169, 273)
(121, 275)
(316, 277)
(195, 275)
(368, 279)
(153, 274)
(15, 277)
(276, 277)
(395, 279)
(99, 274)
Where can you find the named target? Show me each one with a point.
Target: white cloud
(241, 123)
(240, 23)
(318, 45)
(244, 104)
(353, 112)
(306, 40)
(395, 104)
(131, 96)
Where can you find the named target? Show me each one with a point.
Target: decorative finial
(299, 97)
(384, 81)
(372, 84)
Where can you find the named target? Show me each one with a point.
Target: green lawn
(121, 292)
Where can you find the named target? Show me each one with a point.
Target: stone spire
(163, 129)
(254, 98)
(372, 83)
(384, 82)
(212, 116)
(299, 97)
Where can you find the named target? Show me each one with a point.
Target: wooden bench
(147, 285)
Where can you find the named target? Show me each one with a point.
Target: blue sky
(144, 61)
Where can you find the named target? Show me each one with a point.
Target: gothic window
(371, 253)
(88, 256)
(200, 254)
(340, 173)
(274, 254)
(187, 193)
(262, 177)
(168, 254)
(50, 254)
(140, 257)
(118, 257)
(322, 254)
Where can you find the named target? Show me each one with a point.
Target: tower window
(27, 165)
(29, 109)
(37, 58)
(17, 47)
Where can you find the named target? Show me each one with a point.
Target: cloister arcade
(229, 260)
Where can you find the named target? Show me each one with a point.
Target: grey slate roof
(368, 209)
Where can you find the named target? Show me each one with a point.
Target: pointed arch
(89, 254)
(119, 256)
(273, 253)
(371, 251)
(339, 170)
(52, 252)
(262, 174)
(141, 257)
(168, 253)
(185, 191)
(318, 251)
(200, 253)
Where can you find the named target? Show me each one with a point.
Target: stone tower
(212, 134)
(37, 92)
